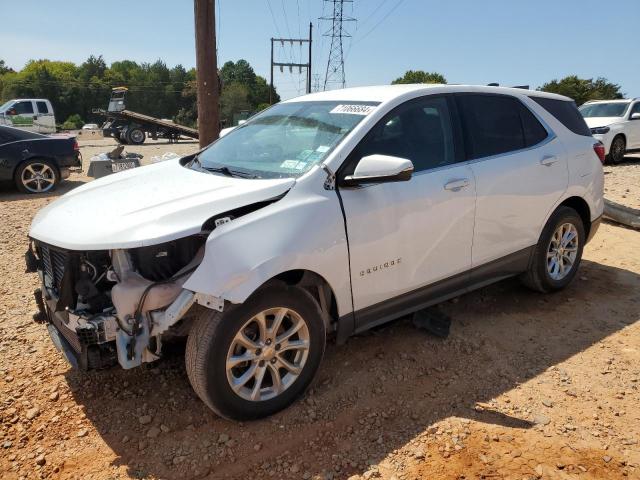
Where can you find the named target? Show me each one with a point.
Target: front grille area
(70, 335)
(53, 264)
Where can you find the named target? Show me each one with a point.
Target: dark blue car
(36, 163)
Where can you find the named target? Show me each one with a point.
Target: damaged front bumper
(120, 332)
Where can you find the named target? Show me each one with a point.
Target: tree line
(163, 92)
(579, 89)
(154, 88)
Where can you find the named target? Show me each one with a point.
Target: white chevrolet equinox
(332, 212)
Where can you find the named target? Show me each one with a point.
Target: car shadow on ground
(9, 193)
(371, 396)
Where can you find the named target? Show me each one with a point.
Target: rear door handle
(457, 185)
(548, 160)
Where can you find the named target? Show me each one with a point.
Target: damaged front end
(116, 306)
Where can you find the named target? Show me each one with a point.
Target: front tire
(36, 176)
(617, 149)
(256, 358)
(558, 253)
(136, 136)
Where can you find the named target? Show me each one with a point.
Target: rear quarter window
(566, 112)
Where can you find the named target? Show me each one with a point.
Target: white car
(616, 123)
(331, 212)
(90, 126)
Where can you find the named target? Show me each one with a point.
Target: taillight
(76, 147)
(599, 149)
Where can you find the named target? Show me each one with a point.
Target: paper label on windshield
(353, 109)
(291, 164)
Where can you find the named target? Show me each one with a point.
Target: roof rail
(523, 87)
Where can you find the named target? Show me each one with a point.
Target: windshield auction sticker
(353, 109)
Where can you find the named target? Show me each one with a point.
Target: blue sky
(469, 41)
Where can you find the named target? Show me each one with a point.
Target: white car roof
(384, 93)
(619, 100)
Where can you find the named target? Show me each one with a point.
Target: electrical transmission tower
(335, 65)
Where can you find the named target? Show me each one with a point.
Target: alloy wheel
(618, 150)
(267, 354)
(562, 251)
(38, 178)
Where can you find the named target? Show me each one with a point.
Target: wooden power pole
(206, 71)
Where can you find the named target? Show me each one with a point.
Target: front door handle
(457, 185)
(548, 160)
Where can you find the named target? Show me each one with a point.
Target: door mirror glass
(635, 116)
(380, 169)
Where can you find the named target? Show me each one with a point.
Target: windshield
(614, 109)
(285, 140)
(6, 105)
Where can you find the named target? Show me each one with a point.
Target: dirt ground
(526, 386)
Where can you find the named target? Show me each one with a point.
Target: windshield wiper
(230, 173)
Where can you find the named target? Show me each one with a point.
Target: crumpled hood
(593, 122)
(146, 206)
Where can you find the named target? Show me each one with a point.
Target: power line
(393, 9)
(273, 17)
(372, 14)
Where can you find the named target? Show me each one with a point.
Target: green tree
(73, 122)
(4, 68)
(233, 100)
(154, 88)
(419, 76)
(584, 89)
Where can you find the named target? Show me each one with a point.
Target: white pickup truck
(35, 114)
(332, 212)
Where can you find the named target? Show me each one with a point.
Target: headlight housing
(600, 130)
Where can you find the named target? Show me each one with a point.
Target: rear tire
(36, 176)
(278, 365)
(617, 150)
(557, 255)
(136, 136)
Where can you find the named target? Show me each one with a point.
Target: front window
(284, 141)
(5, 106)
(613, 109)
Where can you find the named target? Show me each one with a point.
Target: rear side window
(42, 107)
(492, 124)
(566, 113)
(534, 132)
(23, 108)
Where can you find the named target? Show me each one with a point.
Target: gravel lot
(526, 386)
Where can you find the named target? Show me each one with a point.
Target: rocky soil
(526, 386)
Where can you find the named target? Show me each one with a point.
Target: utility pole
(335, 64)
(291, 65)
(206, 72)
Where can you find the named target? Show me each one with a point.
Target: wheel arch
(581, 206)
(317, 286)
